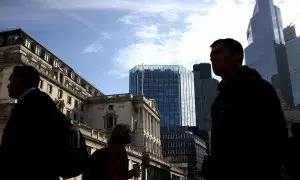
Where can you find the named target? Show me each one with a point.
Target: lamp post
(145, 165)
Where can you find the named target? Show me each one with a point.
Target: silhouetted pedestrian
(249, 130)
(38, 141)
(25, 151)
(111, 163)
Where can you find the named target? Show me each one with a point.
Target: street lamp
(145, 163)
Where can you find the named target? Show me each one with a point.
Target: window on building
(61, 78)
(11, 40)
(82, 107)
(60, 93)
(55, 63)
(69, 100)
(72, 75)
(92, 91)
(47, 57)
(41, 84)
(49, 89)
(78, 80)
(110, 122)
(37, 50)
(76, 103)
(87, 87)
(28, 44)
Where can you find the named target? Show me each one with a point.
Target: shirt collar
(25, 93)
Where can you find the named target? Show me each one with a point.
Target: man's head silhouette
(226, 56)
(21, 79)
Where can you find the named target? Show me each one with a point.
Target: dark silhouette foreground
(111, 163)
(249, 133)
(38, 142)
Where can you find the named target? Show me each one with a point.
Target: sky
(103, 39)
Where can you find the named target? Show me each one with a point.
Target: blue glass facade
(171, 86)
(266, 50)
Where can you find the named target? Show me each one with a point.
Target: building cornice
(127, 97)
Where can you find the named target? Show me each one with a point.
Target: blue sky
(103, 39)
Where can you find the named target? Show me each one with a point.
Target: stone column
(151, 124)
(138, 119)
(143, 117)
(154, 127)
(148, 122)
(157, 126)
(159, 131)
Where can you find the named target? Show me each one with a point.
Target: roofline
(22, 31)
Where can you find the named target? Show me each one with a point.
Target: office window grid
(173, 89)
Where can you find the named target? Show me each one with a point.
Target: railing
(87, 131)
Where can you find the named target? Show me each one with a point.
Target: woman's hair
(120, 135)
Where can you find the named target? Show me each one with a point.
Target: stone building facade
(67, 88)
(72, 93)
(104, 112)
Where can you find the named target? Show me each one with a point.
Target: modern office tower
(171, 86)
(293, 52)
(205, 94)
(289, 33)
(266, 51)
(185, 148)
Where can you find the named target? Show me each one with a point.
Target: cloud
(127, 5)
(147, 32)
(105, 35)
(93, 48)
(188, 43)
(173, 31)
(118, 75)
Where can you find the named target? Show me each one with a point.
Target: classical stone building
(59, 80)
(74, 97)
(105, 111)
(96, 140)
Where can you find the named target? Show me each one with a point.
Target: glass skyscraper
(293, 48)
(205, 94)
(172, 87)
(266, 51)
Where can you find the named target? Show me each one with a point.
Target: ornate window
(28, 44)
(110, 120)
(55, 63)
(11, 40)
(72, 75)
(47, 57)
(37, 50)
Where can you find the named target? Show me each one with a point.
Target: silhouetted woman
(117, 155)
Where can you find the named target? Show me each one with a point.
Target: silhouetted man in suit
(249, 131)
(27, 145)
